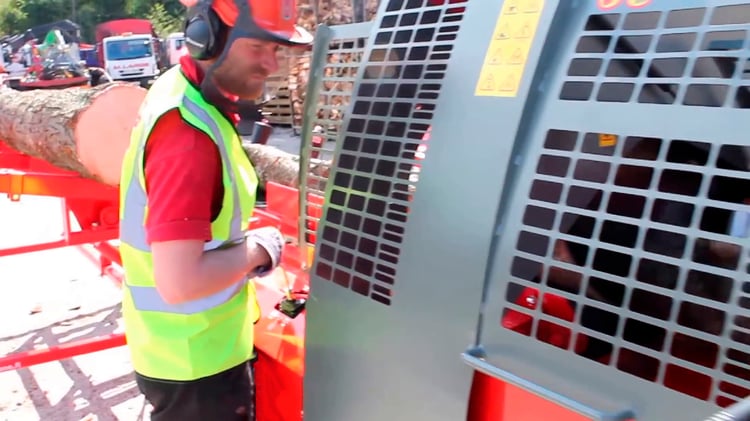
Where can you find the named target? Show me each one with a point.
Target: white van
(175, 43)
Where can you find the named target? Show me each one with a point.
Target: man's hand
(270, 242)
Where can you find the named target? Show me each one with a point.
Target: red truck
(129, 50)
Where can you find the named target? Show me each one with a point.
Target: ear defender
(203, 33)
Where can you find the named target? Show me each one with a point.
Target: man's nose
(270, 62)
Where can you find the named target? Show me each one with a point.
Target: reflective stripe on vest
(147, 298)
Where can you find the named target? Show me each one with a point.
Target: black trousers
(226, 396)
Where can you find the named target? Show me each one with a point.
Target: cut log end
(102, 130)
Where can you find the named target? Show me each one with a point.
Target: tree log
(273, 164)
(86, 130)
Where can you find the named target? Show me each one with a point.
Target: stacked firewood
(311, 14)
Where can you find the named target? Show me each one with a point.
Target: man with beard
(187, 193)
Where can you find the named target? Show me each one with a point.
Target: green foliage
(164, 23)
(18, 15)
(143, 7)
(12, 15)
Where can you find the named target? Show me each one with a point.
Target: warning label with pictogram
(497, 57)
(524, 31)
(502, 32)
(510, 83)
(514, 34)
(532, 6)
(488, 83)
(511, 7)
(517, 57)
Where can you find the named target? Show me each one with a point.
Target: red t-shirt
(183, 176)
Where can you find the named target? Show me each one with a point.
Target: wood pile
(312, 13)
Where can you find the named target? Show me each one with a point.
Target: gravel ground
(56, 296)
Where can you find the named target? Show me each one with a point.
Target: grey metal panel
(627, 200)
(398, 269)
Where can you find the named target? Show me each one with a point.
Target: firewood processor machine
(569, 242)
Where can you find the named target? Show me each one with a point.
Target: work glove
(271, 240)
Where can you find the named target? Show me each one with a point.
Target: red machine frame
(94, 207)
(91, 223)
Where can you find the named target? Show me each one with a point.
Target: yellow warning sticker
(505, 60)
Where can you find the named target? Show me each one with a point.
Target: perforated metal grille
(376, 169)
(643, 241)
(343, 59)
(634, 251)
(644, 56)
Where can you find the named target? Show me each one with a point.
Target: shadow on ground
(99, 398)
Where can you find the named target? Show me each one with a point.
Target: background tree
(12, 15)
(18, 15)
(164, 22)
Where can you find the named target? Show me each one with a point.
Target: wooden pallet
(279, 111)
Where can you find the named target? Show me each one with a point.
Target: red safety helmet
(275, 20)
(277, 17)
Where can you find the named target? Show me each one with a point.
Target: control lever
(290, 305)
(740, 411)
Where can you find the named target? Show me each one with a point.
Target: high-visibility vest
(205, 336)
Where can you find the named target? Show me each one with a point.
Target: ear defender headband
(203, 32)
(208, 38)
(211, 37)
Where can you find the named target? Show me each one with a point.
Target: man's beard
(246, 88)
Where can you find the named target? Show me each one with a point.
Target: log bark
(88, 130)
(273, 164)
(85, 130)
